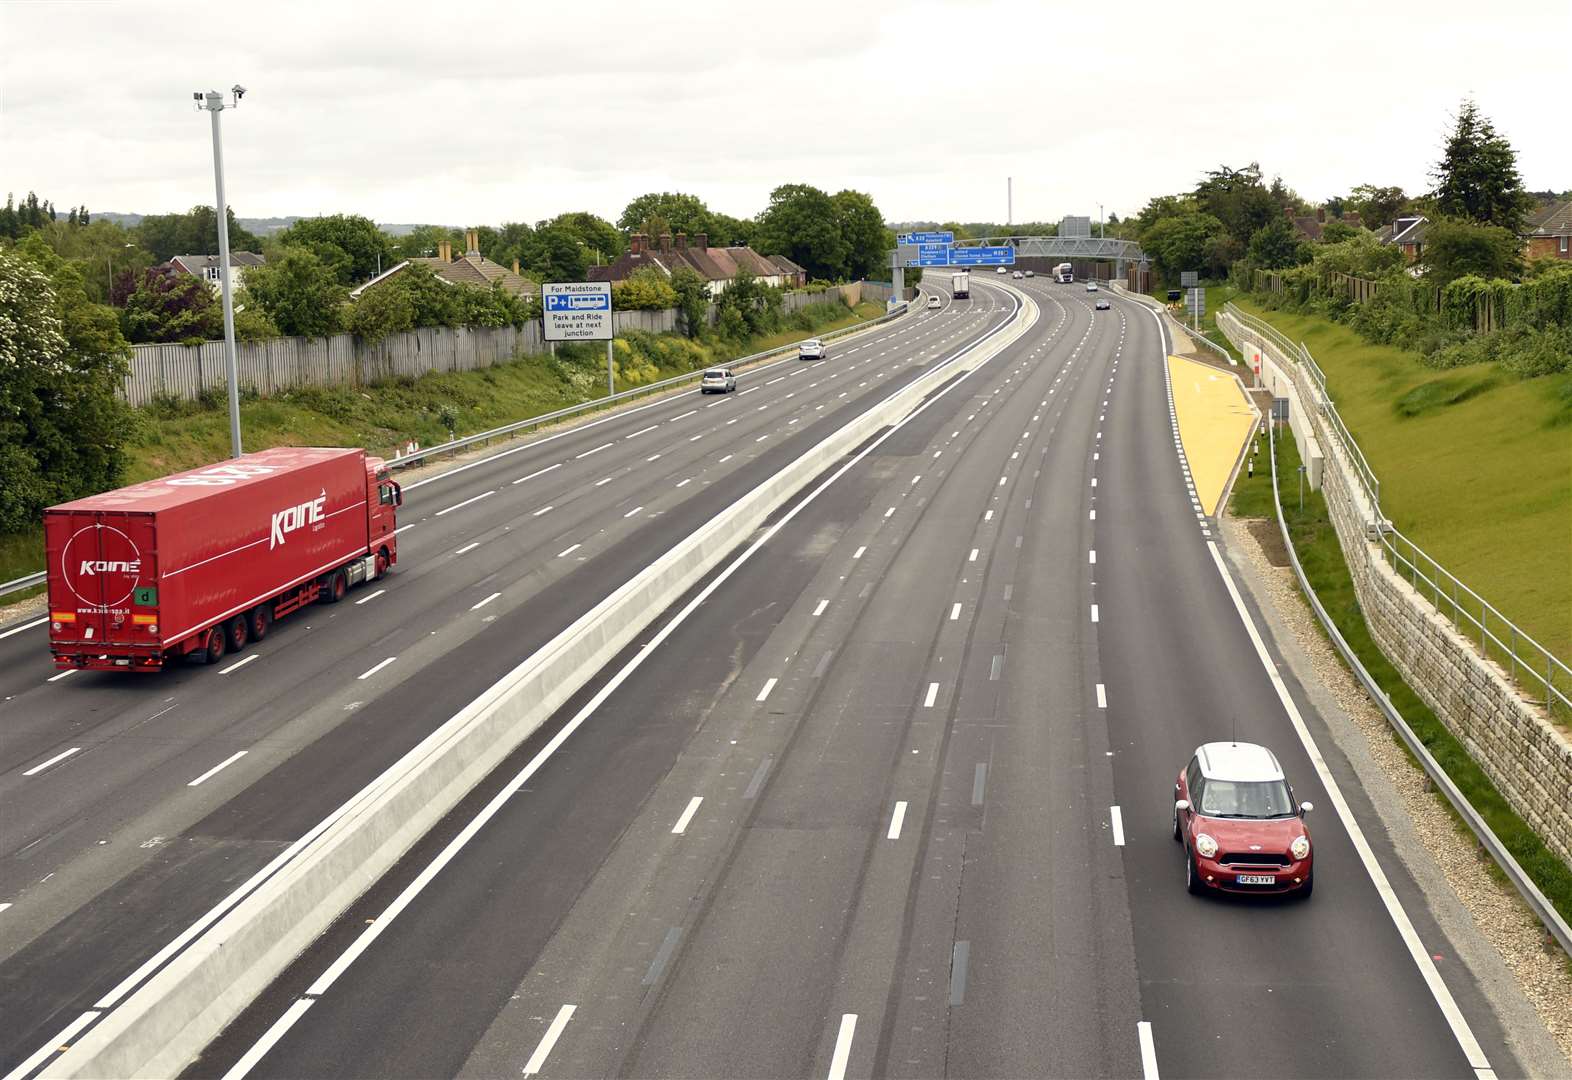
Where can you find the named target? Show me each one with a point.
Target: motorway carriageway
(133, 805)
(890, 794)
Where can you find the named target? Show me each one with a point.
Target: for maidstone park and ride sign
(577, 310)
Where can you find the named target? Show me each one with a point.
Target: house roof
(710, 263)
(196, 264)
(786, 265)
(1413, 233)
(1552, 220)
(1309, 226)
(465, 270)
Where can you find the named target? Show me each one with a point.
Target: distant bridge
(1066, 248)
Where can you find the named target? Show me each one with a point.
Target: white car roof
(1238, 761)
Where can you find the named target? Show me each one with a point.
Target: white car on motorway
(1091, 286)
(812, 349)
(1017, 275)
(717, 380)
(1102, 305)
(934, 302)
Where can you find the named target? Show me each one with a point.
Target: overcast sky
(476, 112)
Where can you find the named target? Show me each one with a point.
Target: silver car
(718, 380)
(812, 349)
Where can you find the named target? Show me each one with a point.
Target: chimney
(665, 243)
(701, 241)
(445, 250)
(515, 266)
(682, 241)
(636, 244)
(1320, 215)
(471, 242)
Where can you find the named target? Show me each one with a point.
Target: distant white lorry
(961, 285)
(1064, 273)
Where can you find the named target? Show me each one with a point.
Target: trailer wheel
(258, 622)
(213, 645)
(235, 628)
(334, 588)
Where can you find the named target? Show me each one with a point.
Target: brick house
(716, 265)
(1312, 226)
(1548, 232)
(1408, 234)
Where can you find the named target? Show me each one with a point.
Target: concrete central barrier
(162, 1026)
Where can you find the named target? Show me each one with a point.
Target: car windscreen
(1246, 799)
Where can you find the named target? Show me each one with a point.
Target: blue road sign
(931, 255)
(982, 256)
(914, 238)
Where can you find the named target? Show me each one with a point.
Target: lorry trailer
(961, 285)
(202, 562)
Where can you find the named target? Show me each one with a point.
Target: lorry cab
(383, 497)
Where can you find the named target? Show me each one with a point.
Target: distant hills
(263, 226)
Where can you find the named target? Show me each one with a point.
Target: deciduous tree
(801, 223)
(351, 245)
(298, 292)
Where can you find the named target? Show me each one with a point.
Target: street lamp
(213, 102)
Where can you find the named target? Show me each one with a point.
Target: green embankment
(1475, 466)
(171, 436)
(1315, 542)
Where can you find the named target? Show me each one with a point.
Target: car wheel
(236, 630)
(1192, 883)
(1177, 834)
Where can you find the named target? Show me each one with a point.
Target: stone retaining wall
(1528, 760)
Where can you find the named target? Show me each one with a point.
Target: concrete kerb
(165, 1023)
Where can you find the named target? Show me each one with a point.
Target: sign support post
(580, 311)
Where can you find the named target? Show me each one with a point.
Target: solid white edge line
(259, 1049)
(376, 669)
(687, 815)
(1394, 907)
(896, 819)
(1143, 1031)
(1116, 820)
(466, 502)
(239, 664)
(25, 626)
(362, 600)
(843, 1044)
(549, 1040)
(36, 769)
(769, 684)
(38, 1057)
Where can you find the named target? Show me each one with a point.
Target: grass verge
(1474, 465)
(1315, 542)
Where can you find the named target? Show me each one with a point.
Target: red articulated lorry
(199, 563)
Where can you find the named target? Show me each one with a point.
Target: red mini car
(1235, 815)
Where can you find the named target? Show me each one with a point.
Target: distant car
(1029, 273)
(812, 349)
(935, 302)
(1091, 286)
(1102, 305)
(1235, 815)
(1017, 275)
(718, 381)
(1002, 270)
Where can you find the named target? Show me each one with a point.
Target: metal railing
(1527, 663)
(419, 456)
(26, 582)
(1537, 902)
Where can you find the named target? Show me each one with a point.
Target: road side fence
(1493, 685)
(277, 364)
